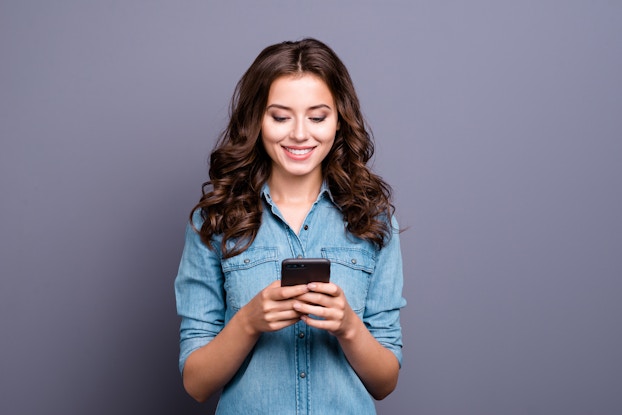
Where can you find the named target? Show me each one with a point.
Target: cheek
(328, 133)
(269, 145)
(267, 128)
(271, 133)
(264, 132)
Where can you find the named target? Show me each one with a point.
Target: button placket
(302, 364)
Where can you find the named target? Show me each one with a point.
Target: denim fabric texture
(299, 369)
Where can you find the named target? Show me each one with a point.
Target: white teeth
(298, 152)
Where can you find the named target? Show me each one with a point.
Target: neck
(294, 189)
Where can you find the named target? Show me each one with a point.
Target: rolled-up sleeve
(382, 311)
(199, 293)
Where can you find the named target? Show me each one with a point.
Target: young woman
(288, 178)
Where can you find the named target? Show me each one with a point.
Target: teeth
(298, 152)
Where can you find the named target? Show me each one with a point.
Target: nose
(299, 132)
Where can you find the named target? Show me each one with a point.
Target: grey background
(498, 124)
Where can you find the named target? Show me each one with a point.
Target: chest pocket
(248, 273)
(351, 269)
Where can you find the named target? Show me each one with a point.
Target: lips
(299, 151)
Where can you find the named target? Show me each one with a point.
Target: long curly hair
(239, 165)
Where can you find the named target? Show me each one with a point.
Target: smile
(299, 152)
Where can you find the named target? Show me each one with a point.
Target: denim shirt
(298, 369)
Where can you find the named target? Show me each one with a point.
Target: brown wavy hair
(239, 165)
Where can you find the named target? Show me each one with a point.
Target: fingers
(277, 307)
(332, 320)
(328, 325)
(326, 302)
(283, 319)
(313, 309)
(325, 288)
(324, 294)
(278, 293)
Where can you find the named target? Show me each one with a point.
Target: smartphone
(295, 271)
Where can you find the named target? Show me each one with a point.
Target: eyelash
(314, 119)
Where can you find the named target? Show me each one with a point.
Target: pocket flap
(355, 258)
(250, 258)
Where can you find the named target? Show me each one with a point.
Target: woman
(288, 178)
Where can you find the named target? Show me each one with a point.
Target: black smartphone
(295, 271)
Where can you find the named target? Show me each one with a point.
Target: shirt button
(303, 375)
(301, 335)
(306, 227)
(246, 261)
(299, 256)
(353, 260)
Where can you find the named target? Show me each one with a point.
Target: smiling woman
(299, 127)
(289, 179)
(298, 131)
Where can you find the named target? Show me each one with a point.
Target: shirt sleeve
(384, 301)
(199, 293)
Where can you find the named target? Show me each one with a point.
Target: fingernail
(311, 286)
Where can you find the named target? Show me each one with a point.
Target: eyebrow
(283, 107)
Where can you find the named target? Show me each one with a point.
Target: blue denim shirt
(299, 369)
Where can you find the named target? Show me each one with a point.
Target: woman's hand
(210, 367)
(375, 365)
(272, 308)
(328, 302)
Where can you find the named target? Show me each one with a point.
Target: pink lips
(298, 153)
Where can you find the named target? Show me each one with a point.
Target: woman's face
(299, 125)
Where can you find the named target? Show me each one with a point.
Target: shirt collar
(324, 192)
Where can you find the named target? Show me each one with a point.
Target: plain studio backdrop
(498, 123)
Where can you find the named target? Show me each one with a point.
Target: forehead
(305, 88)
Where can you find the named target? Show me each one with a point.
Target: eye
(317, 119)
(279, 119)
